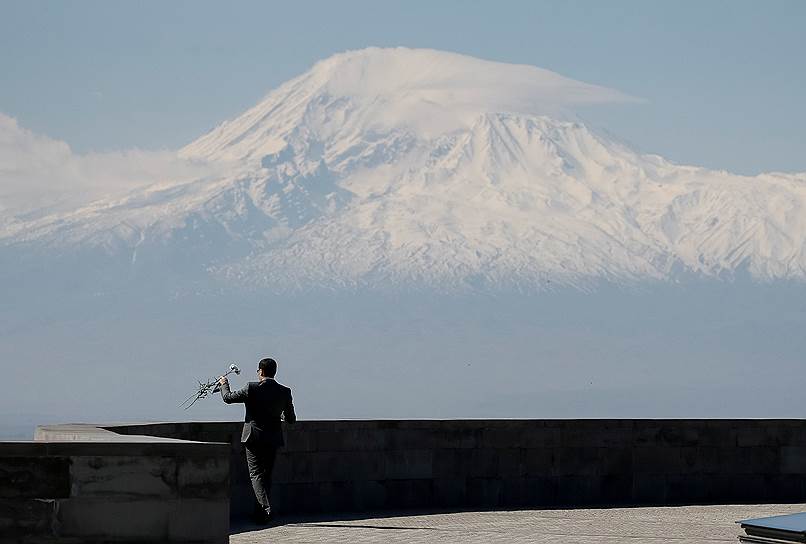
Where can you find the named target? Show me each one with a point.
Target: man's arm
(288, 411)
(230, 397)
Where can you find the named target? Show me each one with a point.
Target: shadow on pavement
(342, 519)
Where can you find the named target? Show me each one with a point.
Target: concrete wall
(332, 466)
(83, 484)
(172, 482)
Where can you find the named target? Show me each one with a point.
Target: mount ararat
(387, 168)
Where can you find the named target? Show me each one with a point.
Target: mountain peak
(414, 167)
(378, 90)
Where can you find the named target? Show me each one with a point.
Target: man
(266, 401)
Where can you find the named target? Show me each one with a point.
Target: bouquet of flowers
(209, 387)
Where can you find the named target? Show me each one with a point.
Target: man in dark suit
(266, 403)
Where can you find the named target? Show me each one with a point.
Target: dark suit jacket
(265, 401)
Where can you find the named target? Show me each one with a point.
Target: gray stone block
(409, 464)
(368, 495)
(242, 500)
(459, 463)
(199, 520)
(649, 488)
(297, 440)
(579, 490)
(750, 488)
(206, 477)
(717, 436)
(793, 459)
(511, 463)
(23, 449)
(449, 463)
(615, 460)
(510, 423)
(336, 440)
(513, 437)
(34, 477)
(514, 492)
(538, 437)
(750, 460)
(485, 492)
(752, 436)
(297, 498)
(338, 466)
(337, 497)
(646, 434)
(381, 424)
(577, 461)
(616, 489)
(324, 425)
(687, 489)
(282, 467)
(597, 436)
(699, 460)
(98, 518)
(783, 488)
(660, 459)
(302, 466)
(541, 491)
(409, 493)
(367, 465)
(682, 434)
(372, 440)
(461, 437)
(538, 462)
(793, 434)
(433, 424)
(411, 439)
(119, 476)
(27, 517)
(450, 492)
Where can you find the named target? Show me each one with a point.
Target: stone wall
(173, 481)
(84, 484)
(332, 466)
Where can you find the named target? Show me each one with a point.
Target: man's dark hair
(268, 366)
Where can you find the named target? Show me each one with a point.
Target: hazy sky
(724, 81)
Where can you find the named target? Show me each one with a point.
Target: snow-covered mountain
(395, 167)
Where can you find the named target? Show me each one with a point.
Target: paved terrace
(685, 524)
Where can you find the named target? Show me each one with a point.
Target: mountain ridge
(345, 177)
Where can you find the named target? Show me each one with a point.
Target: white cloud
(41, 173)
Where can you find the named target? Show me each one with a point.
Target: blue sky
(724, 81)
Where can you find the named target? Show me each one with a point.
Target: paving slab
(684, 524)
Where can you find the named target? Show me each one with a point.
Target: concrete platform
(689, 524)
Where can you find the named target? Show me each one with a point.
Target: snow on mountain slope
(387, 167)
(350, 96)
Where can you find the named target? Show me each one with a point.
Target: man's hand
(222, 380)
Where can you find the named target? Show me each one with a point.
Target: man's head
(267, 368)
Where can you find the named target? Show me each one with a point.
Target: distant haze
(707, 350)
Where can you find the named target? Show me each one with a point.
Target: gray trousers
(260, 460)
